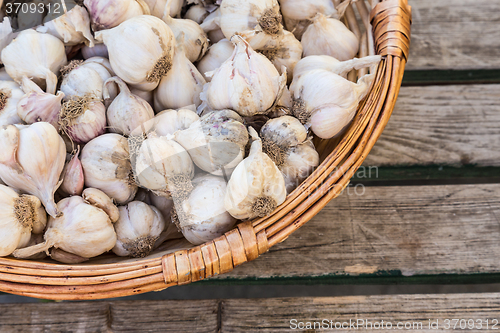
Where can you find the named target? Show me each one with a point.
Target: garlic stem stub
(32, 159)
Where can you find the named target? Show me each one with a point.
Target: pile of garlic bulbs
(128, 123)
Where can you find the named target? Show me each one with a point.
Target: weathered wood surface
(414, 229)
(251, 315)
(453, 125)
(455, 34)
(135, 316)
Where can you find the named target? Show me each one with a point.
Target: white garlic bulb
(140, 50)
(256, 187)
(32, 160)
(202, 216)
(10, 94)
(286, 54)
(306, 9)
(107, 14)
(98, 50)
(106, 166)
(190, 35)
(329, 36)
(37, 105)
(72, 176)
(170, 121)
(162, 165)
(72, 28)
(215, 57)
(181, 86)
(242, 15)
(127, 111)
(299, 164)
(20, 216)
(159, 7)
(83, 118)
(216, 143)
(83, 229)
(197, 13)
(84, 79)
(37, 56)
(247, 82)
(137, 229)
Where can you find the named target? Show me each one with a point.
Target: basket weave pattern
(391, 21)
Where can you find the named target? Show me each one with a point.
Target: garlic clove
(73, 180)
(10, 94)
(197, 13)
(215, 57)
(168, 122)
(106, 166)
(256, 187)
(127, 111)
(100, 200)
(37, 105)
(37, 163)
(138, 229)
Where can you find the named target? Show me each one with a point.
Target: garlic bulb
(98, 50)
(170, 121)
(202, 216)
(140, 50)
(256, 187)
(247, 82)
(329, 36)
(108, 14)
(83, 118)
(72, 175)
(84, 79)
(106, 166)
(164, 205)
(181, 86)
(327, 101)
(286, 55)
(37, 105)
(10, 94)
(190, 35)
(72, 28)
(37, 56)
(159, 7)
(306, 9)
(32, 160)
(128, 111)
(216, 143)
(242, 15)
(137, 229)
(215, 57)
(83, 229)
(162, 165)
(284, 141)
(20, 215)
(197, 13)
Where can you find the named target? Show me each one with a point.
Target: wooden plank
(452, 125)
(417, 312)
(455, 35)
(412, 230)
(122, 316)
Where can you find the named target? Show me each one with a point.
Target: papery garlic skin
(98, 50)
(82, 229)
(216, 143)
(140, 49)
(73, 179)
(256, 187)
(85, 78)
(10, 94)
(37, 105)
(181, 86)
(32, 160)
(247, 82)
(99, 199)
(329, 36)
(137, 229)
(170, 121)
(106, 166)
(35, 55)
(189, 36)
(202, 217)
(72, 28)
(215, 57)
(127, 111)
(19, 216)
(108, 14)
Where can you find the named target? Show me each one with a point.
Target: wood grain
(283, 315)
(414, 230)
(454, 35)
(452, 125)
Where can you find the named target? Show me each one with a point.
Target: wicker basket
(180, 264)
